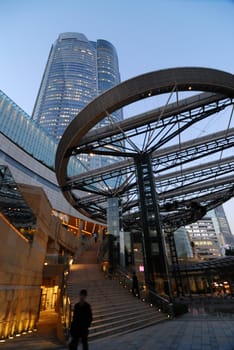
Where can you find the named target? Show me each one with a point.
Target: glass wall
(19, 128)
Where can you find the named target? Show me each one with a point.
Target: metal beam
(142, 119)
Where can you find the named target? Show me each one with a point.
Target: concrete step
(115, 310)
(111, 309)
(115, 300)
(98, 321)
(115, 313)
(126, 328)
(102, 297)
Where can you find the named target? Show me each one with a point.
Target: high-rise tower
(224, 227)
(77, 71)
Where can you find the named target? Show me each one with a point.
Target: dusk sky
(148, 35)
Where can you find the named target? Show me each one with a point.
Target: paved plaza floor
(180, 334)
(184, 333)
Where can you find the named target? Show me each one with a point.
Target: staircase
(115, 310)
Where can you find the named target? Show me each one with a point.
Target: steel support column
(175, 263)
(155, 261)
(113, 227)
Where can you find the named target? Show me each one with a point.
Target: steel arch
(135, 89)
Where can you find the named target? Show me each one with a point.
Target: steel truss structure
(185, 176)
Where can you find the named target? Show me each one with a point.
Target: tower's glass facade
(107, 72)
(223, 227)
(76, 72)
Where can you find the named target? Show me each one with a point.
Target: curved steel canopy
(218, 88)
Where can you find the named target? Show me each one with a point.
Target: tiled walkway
(185, 333)
(181, 334)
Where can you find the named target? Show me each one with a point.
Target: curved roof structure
(192, 174)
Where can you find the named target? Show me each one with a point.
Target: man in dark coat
(135, 286)
(82, 319)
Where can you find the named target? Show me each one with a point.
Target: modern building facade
(183, 244)
(77, 71)
(211, 235)
(224, 227)
(35, 248)
(29, 153)
(20, 129)
(35, 218)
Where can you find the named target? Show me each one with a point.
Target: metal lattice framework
(192, 174)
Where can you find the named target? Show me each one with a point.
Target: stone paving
(181, 334)
(185, 333)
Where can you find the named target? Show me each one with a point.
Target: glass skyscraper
(223, 227)
(77, 71)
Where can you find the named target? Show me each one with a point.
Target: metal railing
(161, 303)
(65, 310)
(147, 294)
(65, 305)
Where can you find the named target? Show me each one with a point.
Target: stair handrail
(124, 278)
(103, 252)
(164, 305)
(65, 308)
(148, 294)
(65, 304)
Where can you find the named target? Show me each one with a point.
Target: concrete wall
(46, 222)
(22, 262)
(20, 279)
(27, 170)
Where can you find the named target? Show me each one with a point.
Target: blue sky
(148, 35)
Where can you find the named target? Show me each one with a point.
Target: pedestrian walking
(82, 319)
(95, 237)
(135, 286)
